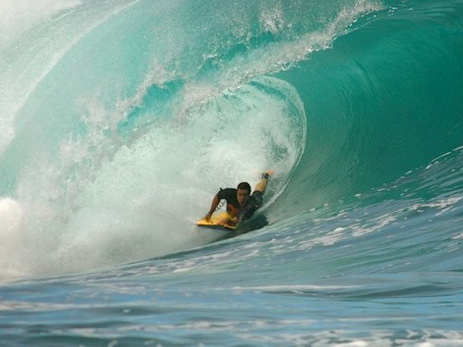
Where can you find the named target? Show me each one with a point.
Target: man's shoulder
(227, 192)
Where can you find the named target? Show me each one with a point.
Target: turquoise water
(120, 120)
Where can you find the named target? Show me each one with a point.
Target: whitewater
(120, 120)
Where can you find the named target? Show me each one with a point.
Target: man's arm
(214, 204)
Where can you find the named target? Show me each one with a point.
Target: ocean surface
(120, 120)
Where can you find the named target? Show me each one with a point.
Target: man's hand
(223, 221)
(228, 221)
(207, 217)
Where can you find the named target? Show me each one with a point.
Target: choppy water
(121, 119)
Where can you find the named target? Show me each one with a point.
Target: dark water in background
(120, 120)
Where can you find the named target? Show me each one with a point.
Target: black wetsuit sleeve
(229, 194)
(220, 194)
(226, 193)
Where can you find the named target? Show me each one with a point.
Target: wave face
(120, 120)
(385, 99)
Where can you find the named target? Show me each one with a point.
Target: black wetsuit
(251, 205)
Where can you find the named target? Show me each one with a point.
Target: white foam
(11, 238)
(11, 217)
(19, 16)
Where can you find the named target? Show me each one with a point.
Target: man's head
(242, 192)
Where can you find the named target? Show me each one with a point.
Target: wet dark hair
(244, 185)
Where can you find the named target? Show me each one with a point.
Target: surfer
(241, 204)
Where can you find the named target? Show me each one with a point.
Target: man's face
(242, 196)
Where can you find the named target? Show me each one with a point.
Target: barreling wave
(121, 119)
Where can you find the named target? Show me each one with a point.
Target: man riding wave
(241, 204)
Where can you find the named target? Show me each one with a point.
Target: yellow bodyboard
(212, 223)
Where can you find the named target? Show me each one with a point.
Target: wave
(120, 120)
